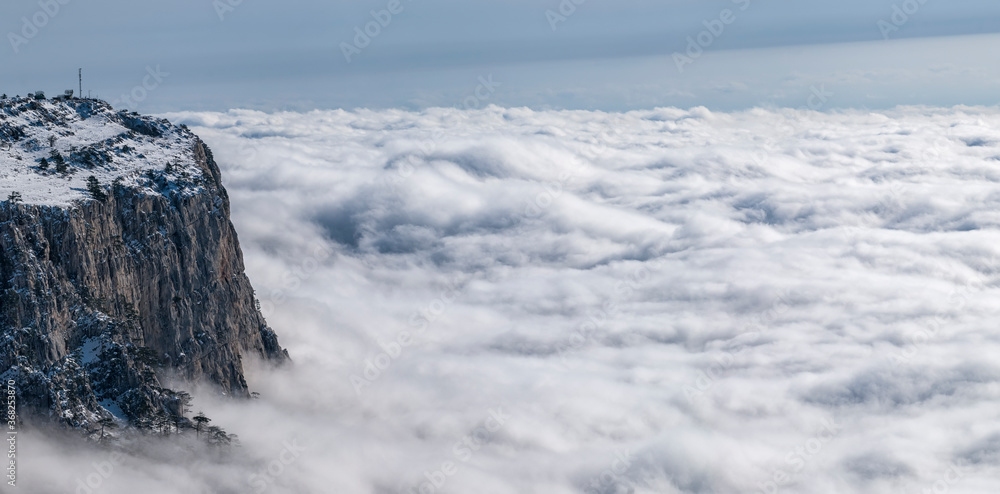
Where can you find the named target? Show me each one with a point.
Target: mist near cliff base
(664, 301)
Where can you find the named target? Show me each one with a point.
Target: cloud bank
(665, 301)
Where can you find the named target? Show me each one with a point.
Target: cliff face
(99, 296)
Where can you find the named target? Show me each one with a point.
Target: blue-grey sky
(212, 54)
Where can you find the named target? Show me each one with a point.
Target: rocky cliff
(118, 265)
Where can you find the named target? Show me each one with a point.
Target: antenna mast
(81, 82)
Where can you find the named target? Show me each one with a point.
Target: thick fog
(507, 301)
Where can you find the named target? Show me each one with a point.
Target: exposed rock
(98, 294)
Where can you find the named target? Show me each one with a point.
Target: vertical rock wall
(97, 298)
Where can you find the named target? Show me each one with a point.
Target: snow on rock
(114, 409)
(91, 349)
(80, 138)
(111, 281)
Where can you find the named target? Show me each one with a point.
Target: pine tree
(219, 437)
(199, 421)
(148, 356)
(183, 403)
(143, 423)
(43, 164)
(161, 423)
(14, 197)
(106, 423)
(94, 187)
(183, 408)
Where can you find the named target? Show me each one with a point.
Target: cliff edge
(118, 263)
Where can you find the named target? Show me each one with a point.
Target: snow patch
(92, 140)
(91, 350)
(114, 409)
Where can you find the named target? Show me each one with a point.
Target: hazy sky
(600, 54)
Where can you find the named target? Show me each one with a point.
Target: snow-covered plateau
(49, 149)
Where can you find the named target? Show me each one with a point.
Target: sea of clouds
(667, 301)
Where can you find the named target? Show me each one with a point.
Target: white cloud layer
(660, 301)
